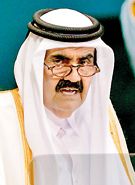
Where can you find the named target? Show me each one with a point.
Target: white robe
(15, 154)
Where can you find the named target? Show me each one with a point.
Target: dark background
(14, 16)
(123, 83)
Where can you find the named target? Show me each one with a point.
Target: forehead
(71, 51)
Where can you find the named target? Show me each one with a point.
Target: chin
(69, 106)
(65, 111)
(68, 109)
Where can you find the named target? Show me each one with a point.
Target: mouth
(69, 91)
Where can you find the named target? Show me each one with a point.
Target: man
(64, 71)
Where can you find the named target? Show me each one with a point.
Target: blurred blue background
(14, 16)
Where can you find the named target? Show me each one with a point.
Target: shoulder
(8, 96)
(10, 102)
(8, 92)
(13, 143)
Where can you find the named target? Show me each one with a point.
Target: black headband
(62, 33)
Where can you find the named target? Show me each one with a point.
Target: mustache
(67, 83)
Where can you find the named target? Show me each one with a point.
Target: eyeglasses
(65, 70)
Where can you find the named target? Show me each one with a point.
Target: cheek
(49, 85)
(48, 81)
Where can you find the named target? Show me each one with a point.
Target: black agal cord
(62, 33)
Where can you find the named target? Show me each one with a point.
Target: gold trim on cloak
(27, 150)
(115, 137)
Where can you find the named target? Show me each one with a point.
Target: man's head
(64, 92)
(65, 88)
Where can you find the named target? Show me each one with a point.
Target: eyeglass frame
(71, 66)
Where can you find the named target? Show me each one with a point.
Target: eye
(61, 61)
(89, 60)
(85, 62)
(58, 61)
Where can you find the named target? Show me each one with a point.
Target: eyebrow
(86, 57)
(61, 57)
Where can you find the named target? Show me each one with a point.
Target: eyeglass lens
(84, 71)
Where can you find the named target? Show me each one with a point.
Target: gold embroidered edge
(115, 137)
(27, 151)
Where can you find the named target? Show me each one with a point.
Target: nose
(73, 76)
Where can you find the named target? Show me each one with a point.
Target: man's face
(62, 95)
